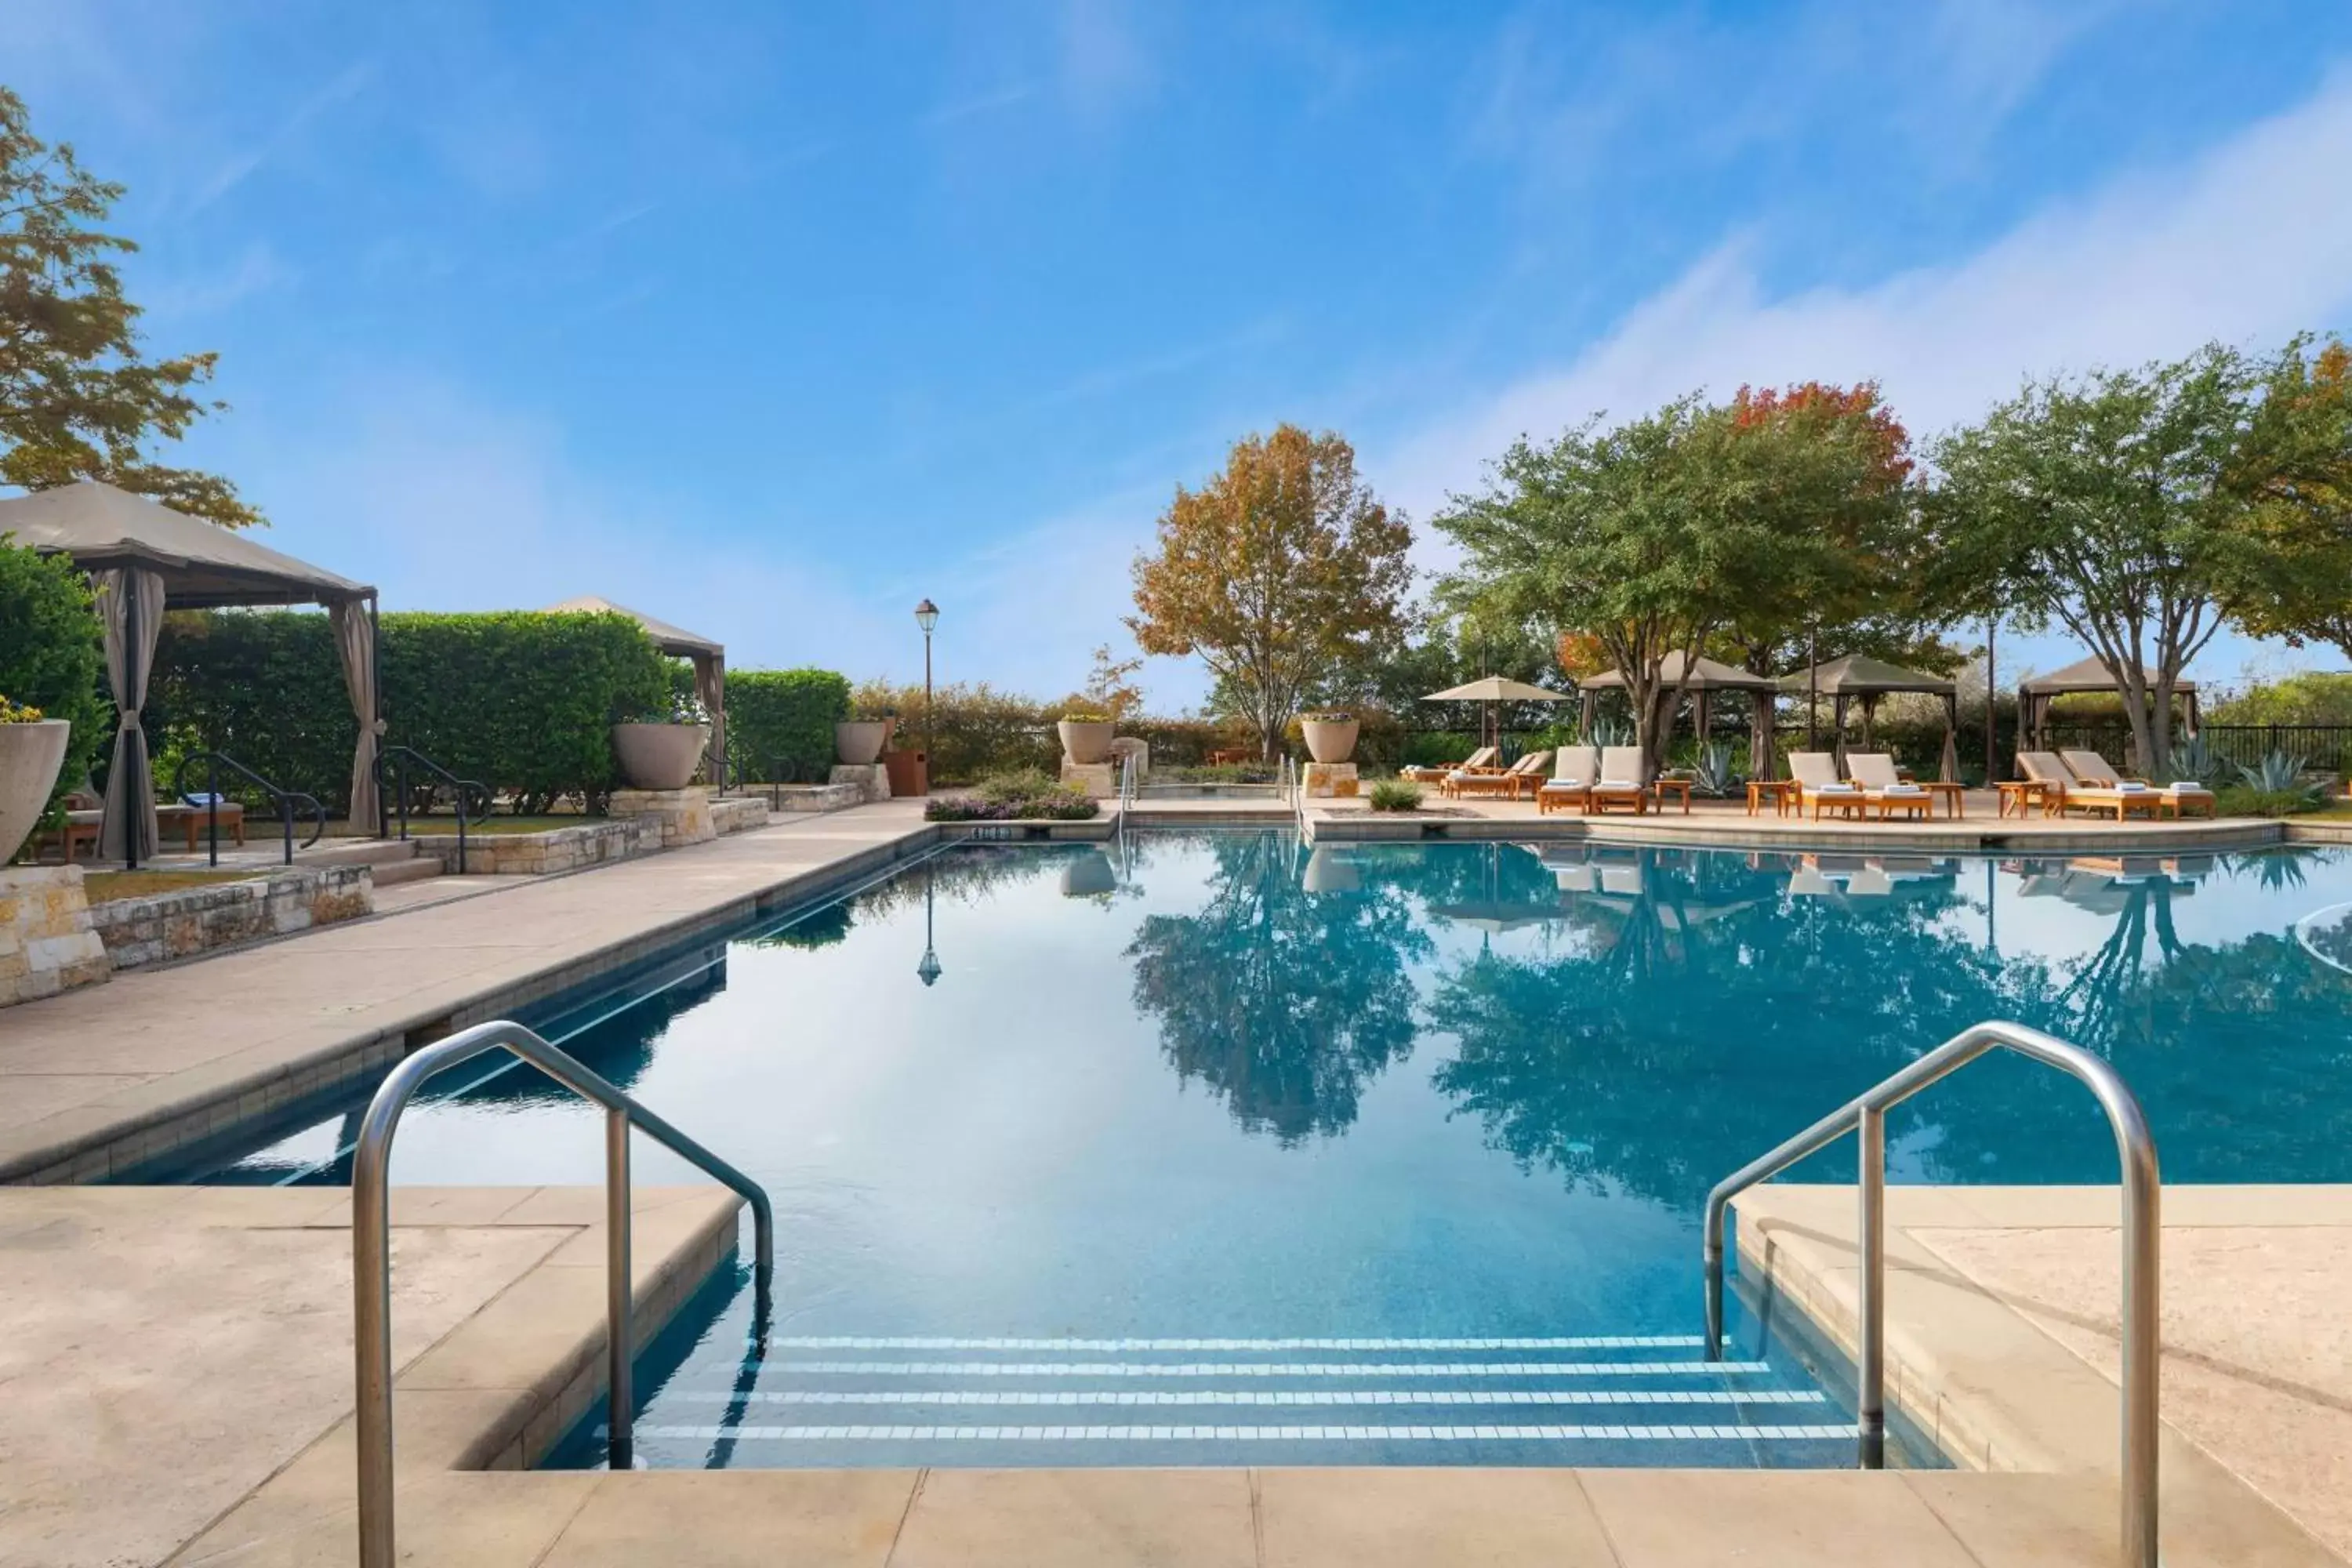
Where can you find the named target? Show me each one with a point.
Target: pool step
(855, 1400)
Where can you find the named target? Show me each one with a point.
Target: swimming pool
(1209, 1148)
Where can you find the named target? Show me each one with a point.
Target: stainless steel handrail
(372, 1245)
(2142, 1196)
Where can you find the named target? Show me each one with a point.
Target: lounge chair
(1574, 768)
(2066, 791)
(1524, 775)
(1620, 783)
(1883, 787)
(2178, 797)
(1483, 757)
(1819, 786)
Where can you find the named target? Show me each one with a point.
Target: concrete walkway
(112, 1075)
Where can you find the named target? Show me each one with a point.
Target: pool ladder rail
(1865, 1116)
(372, 1246)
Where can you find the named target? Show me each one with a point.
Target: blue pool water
(1209, 1149)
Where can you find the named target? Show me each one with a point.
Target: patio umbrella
(1493, 688)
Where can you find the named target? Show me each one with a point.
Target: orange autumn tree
(1274, 571)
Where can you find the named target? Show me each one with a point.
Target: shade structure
(1857, 677)
(1705, 676)
(2035, 696)
(708, 655)
(143, 557)
(1492, 689)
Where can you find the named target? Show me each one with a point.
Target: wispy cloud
(345, 85)
(969, 107)
(257, 270)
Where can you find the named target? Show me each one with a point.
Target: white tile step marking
(1295, 1396)
(1576, 1343)
(1270, 1368)
(1707, 1433)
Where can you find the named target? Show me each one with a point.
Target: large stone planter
(660, 756)
(1086, 741)
(1330, 740)
(858, 743)
(30, 755)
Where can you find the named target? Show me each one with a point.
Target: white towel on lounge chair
(2126, 787)
(1618, 784)
(2186, 786)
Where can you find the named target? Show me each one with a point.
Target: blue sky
(771, 320)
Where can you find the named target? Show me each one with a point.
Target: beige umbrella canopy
(1859, 677)
(1493, 688)
(707, 656)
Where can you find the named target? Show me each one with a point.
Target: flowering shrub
(1029, 792)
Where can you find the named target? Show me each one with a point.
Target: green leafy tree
(1275, 572)
(49, 650)
(2118, 505)
(78, 400)
(2294, 578)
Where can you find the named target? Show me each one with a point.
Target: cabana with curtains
(1708, 676)
(2033, 697)
(708, 658)
(143, 558)
(1858, 677)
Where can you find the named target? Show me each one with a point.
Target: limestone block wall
(48, 943)
(738, 813)
(208, 915)
(591, 843)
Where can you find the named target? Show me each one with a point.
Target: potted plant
(858, 739)
(658, 748)
(1086, 737)
(32, 749)
(1331, 737)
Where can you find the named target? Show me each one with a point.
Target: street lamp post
(927, 616)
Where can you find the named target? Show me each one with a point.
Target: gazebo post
(1992, 687)
(1837, 721)
(1869, 716)
(1760, 748)
(1586, 715)
(130, 683)
(1951, 762)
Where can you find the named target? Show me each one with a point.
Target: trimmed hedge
(49, 654)
(780, 723)
(523, 700)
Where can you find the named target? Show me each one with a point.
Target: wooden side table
(1661, 788)
(1955, 808)
(2018, 797)
(1781, 793)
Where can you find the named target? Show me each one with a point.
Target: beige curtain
(711, 686)
(131, 613)
(356, 640)
(1952, 740)
(1759, 747)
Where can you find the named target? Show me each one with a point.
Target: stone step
(392, 873)
(359, 852)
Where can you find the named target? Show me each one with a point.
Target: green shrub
(1026, 793)
(1394, 795)
(780, 723)
(2240, 800)
(49, 656)
(523, 700)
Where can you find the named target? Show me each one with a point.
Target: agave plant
(1712, 777)
(2194, 761)
(1609, 732)
(2282, 774)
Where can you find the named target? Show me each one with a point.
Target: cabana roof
(1705, 675)
(1859, 675)
(2090, 674)
(202, 565)
(674, 640)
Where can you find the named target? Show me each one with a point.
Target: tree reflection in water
(1284, 1003)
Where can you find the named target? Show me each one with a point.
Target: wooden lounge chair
(1883, 787)
(1574, 770)
(1522, 775)
(1819, 786)
(1620, 783)
(1482, 758)
(2064, 791)
(2179, 798)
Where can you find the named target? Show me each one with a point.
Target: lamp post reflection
(928, 971)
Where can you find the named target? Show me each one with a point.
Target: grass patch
(104, 887)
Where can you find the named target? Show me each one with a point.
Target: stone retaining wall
(220, 914)
(814, 797)
(539, 854)
(47, 941)
(738, 813)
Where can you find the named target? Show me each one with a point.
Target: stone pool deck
(2003, 1340)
